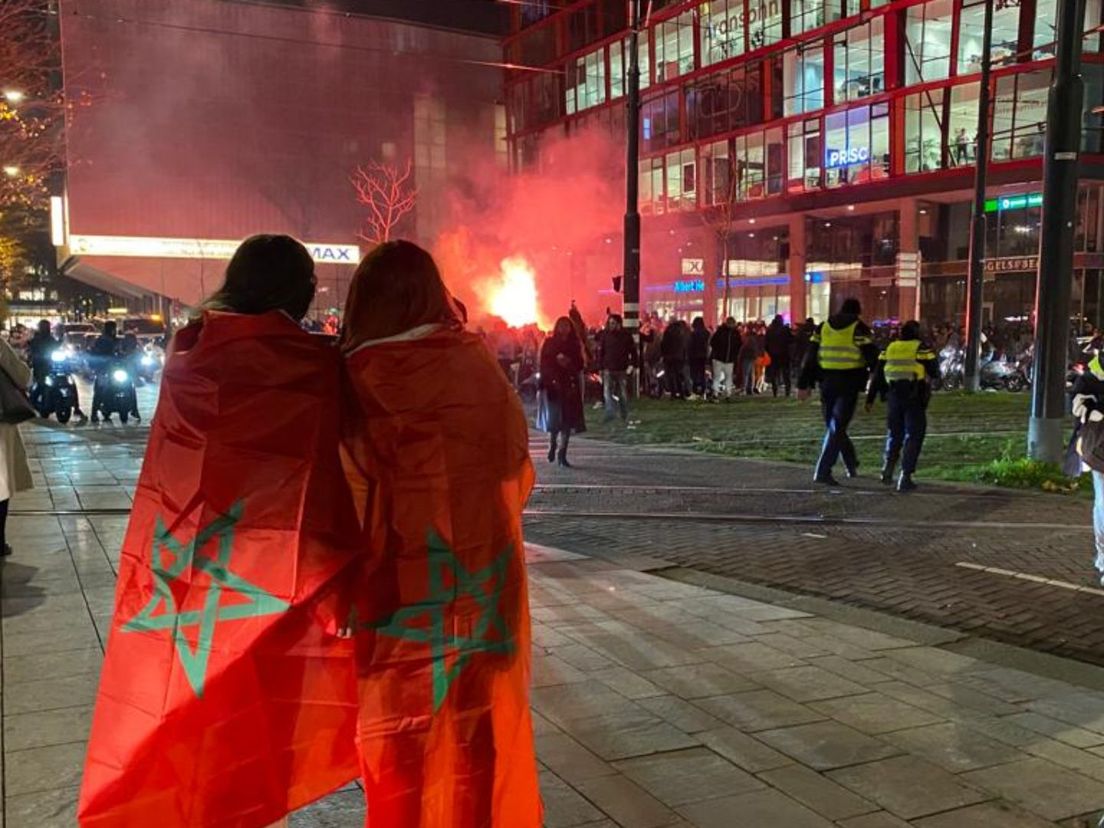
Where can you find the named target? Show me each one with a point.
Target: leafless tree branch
(385, 190)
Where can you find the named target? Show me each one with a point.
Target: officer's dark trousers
(837, 401)
(906, 425)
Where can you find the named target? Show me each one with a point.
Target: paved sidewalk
(660, 703)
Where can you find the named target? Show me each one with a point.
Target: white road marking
(1025, 576)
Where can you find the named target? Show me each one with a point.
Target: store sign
(154, 248)
(1014, 202)
(1012, 264)
(843, 157)
(693, 267)
(689, 286)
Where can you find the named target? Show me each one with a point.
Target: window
(750, 166)
(725, 101)
(619, 66)
(1006, 33)
(682, 180)
(803, 79)
(535, 10)
(588, 86)
(674, 47)
(856, 145)
(1046, 23)
(764, 22)
(716, 169)
(659, 122)
(651, 185)
(583, 27)
(860, 61)
(722, 30)
(806, 15)
(805, 155)
(923, 132)
(928, 42)
(962, 119)
(1019, 115)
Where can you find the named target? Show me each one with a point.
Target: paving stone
(698, 681)
(818, 792)
(50, 694)
(953, 746)
(751, 657)
(1078, 707)
(875, 713)
(1068, 757)
(986, 815)
(549, 671)
(743, 750)
(37, 643)
(687, 776)
(680, 713)
(908, 787)
(564, 807)
(629, 805)
(37, 667)
(46, 809)
(851, 670)
(568, 759)
(626, 682)
(621, 736)
(806, 684)
(1062, 731)
(758, 710)
(344, 809)
(580, 700)
(758, 808)
(50, 727)
(43, 769)
(825, 745)
(881, 819)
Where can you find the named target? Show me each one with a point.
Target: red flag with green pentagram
(226, 698)
(440, 462)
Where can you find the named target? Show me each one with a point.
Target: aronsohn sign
(154, 248)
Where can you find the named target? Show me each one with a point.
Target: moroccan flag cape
(438, 458)
(226, 698)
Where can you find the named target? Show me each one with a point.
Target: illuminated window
(962, 119)
(659, 122)
(928, 42)
(619, 66)
(757, 164)
(764, 22)
(1019, 115)
(502, 147)
(924, 134)
(674, 47)
(856, 145)
(722, 30)
(860, 61)
(716, 169)
(682, 180)
(806, 15)
(1006, 33)
(651, 186)
(803, 79)
(725, 101)
(805, 155)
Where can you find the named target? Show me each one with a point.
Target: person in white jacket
(15, 473)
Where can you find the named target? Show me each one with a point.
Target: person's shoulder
(862, 328)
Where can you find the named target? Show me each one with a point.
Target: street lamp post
(631, 288)
(1055, 282)
(975, 282)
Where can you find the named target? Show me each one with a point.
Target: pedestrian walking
(779, 345)
(903, 379)
(750, 351)
(15, 471)
(723, 349)
(840, 357)
(698, 356)
(674, 347)
(1087, 446)
(617, 358)
(560, 396)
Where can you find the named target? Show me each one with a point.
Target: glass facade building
(808, 149)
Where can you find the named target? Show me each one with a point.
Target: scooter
(57, 395)
(1005, 374)
(117, 392)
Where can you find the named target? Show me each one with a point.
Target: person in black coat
(698, 355)
(560, 410)
(674, 348)
(724, 347)
(617, 358)
(780, 343)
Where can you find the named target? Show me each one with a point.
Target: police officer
(903, 379)
(841, 356)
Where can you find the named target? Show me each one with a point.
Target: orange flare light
(512, 295)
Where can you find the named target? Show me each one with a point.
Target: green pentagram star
(450, 650)
(184, 560)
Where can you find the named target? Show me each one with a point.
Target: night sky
(473, 15)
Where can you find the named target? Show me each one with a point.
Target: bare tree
(719, 219)
(386, 191)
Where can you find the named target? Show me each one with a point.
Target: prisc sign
(844, 157)
(335, 253)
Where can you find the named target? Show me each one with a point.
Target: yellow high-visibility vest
(901, 362)
(838, 349)
(1096, 368)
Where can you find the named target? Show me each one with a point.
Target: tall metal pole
(631, 295)
(1055, 283)
(976, 279)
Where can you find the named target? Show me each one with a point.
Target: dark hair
(910, 330)
(395, 288)
(267, 273)
(851, 306)
(563, 321)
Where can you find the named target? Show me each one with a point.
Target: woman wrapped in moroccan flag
(437, 453)
(228, 696)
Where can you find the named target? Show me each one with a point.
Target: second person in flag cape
(436, 451)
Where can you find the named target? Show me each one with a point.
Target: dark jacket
(725, 345)
(41, 349)
(752, 347)
(1088, 436)
(699, 343)
(676, 342)
(853, 379)
(616, 350)
(780, 342)
(561, 382)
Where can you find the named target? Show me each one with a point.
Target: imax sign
(156, 248)
(845, 157)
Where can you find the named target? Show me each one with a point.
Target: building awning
(74, 268)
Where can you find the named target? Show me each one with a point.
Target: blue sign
(845, 157)
(689, 286)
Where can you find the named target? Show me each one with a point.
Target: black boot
(888, 469)
(552, 450)
(562, 456)
(905, 484)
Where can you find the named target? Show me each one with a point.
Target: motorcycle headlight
(58, 356)
(147, 360)
(120, 376)
(49, 380)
